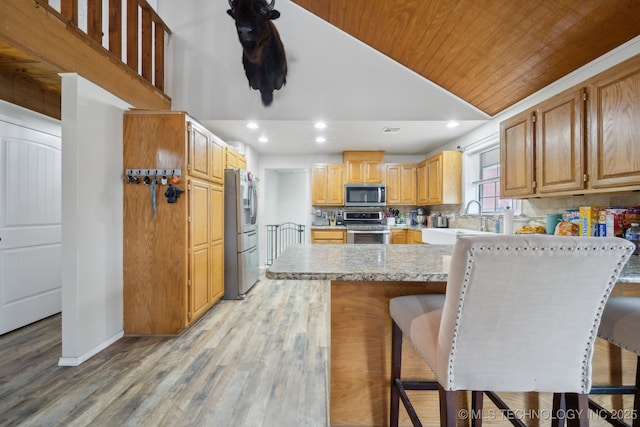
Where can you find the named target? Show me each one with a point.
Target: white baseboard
(75, 361)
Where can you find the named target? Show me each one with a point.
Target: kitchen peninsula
(363, 279)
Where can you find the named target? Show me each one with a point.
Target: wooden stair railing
(152, 28)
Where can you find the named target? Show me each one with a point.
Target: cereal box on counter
(614, 222)
(589, 220)
(601, 222)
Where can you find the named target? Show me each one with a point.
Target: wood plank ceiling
(491, 53)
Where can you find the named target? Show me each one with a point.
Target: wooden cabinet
(581, 141)
(614, 109)
(517, 156)
(173, 252)
(440, 179)
(398, 236)
(414, 236)
(543, 150)
(328, 236)
(205, 150)
(233, 159)
(400, 179)
(364, 166)
(327, 184)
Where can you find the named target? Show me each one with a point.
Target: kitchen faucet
(466, 211)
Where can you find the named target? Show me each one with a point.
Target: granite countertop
(428, 263)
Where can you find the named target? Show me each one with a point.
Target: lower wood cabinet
(328, 236)
(414, 236)
(399, 236)
(406, 236)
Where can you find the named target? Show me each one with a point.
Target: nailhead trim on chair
(596, 320)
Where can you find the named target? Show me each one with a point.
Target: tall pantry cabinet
(173, 252)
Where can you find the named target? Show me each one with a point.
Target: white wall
(92, 215)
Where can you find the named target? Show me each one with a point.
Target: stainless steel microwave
(365, 195)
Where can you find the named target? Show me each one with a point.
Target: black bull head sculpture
(263, 56)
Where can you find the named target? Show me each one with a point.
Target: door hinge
(189, 167)
(585, 96)
(188, 219)
(585, 177)
(189, 315)
(533, 117)
(535, 184)
(188, 283)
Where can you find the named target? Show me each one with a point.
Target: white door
(30, 225)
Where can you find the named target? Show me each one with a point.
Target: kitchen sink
(447, 236)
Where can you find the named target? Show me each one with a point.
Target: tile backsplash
(534, 211)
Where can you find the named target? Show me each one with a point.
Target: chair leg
(448, 416)
(476, 408)
(636, 397)
(396, 362)
(558, 411)
(577, 409)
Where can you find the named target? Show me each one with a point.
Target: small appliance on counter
(440, 221)
(421, 217)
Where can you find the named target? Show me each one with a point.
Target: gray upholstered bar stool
(512, 305)
(620, 326)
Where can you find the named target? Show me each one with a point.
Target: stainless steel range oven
(366, 227)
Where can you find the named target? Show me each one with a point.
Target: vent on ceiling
(390, 130)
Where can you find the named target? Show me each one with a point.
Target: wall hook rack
(134, 175)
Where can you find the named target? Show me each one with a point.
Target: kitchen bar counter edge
(411, 263)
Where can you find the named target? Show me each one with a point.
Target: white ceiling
(332, 77)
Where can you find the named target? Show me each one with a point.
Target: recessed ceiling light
(252, 125)
(263, 139)
(453, 124)
(320, 139)
(320, 125)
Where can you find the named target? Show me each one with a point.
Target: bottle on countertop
(508, 221)
(633, 235)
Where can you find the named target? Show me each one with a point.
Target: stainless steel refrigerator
(241, 267)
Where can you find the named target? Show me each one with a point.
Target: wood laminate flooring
(258, 362)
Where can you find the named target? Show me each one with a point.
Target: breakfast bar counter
(363, 280)
(425, 263)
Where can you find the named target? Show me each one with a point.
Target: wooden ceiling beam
(29, 95)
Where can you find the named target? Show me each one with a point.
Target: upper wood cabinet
(542, 151)
(400, 179)
(364, 166)
(581, 141)
(327, 184)
(614, 110)
(440, 179)
(206, 158)
(517, 155)
(233, 159)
